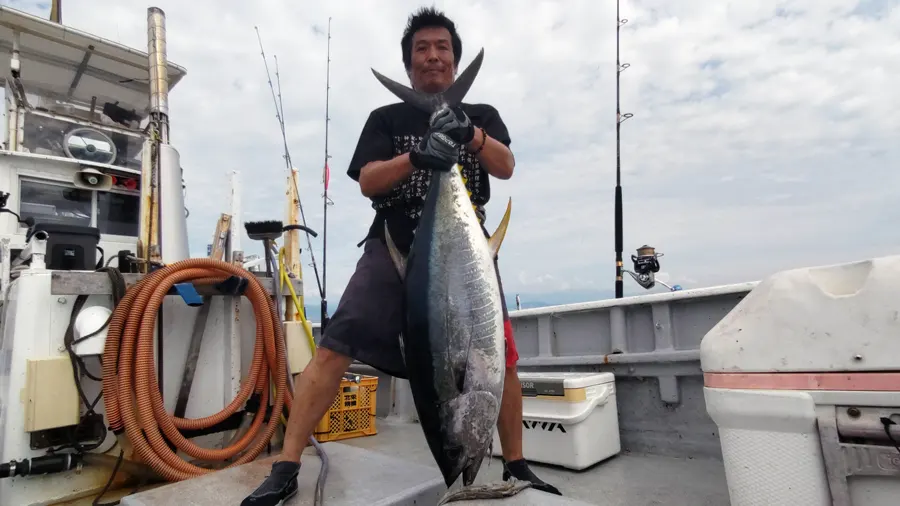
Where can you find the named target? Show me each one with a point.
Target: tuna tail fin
(496, 239)
(397, 257)
(430, 103)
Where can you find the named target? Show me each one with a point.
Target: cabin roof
(53, 59)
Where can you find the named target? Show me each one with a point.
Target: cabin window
(56, 136)
(55, 203)
(118, 213)
(112, 212)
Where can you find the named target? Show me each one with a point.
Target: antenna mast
(326, 176)
(619, 119)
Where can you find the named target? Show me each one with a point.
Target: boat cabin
(75, 125)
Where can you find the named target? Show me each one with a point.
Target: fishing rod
(646, 262)
(326, 176)
(619, 119)
(279, 115)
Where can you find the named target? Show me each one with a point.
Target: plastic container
(798, 377)
(570, 419)
(352, 414)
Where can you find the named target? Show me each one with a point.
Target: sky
(763, 134)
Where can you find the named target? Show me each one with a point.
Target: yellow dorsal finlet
(496, 239)
(468, 191)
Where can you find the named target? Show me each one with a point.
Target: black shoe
(277, 488)
(520, 469)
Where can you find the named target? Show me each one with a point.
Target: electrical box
(51, 397)
(298, 349)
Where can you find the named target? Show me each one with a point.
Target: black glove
(455, 123)
(437, 151)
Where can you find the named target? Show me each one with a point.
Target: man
(398, 148)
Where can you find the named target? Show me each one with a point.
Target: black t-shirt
(395, 129)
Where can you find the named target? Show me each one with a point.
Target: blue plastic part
(189, 294)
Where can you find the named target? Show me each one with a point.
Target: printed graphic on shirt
(410, 195)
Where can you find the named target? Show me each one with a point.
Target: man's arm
(495, 157)
(437, 151)
(380, 177)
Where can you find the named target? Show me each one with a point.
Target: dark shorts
(369, 318)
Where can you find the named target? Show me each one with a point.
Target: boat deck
(402, 464)
(627, 479)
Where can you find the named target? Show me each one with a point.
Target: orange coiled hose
(131, 390)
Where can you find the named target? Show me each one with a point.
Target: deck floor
(625, 480)
(356, 477)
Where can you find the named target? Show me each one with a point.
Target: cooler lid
(554, 383)
(834, 318)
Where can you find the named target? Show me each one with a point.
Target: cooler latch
(878, 424)
(858, 441)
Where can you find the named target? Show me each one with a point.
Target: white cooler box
(570, 419)
(801, 378)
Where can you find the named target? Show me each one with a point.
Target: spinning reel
(646, 265)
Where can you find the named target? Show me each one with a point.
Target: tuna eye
(453, 453)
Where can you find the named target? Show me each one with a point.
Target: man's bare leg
(509, 428)
(314, 392)
(509, 423)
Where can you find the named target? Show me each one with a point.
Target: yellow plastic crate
(352, 414)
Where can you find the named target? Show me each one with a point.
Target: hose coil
(131, 390)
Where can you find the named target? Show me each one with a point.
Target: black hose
(323, 471)
(40, 465)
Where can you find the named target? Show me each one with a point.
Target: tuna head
(467, 430)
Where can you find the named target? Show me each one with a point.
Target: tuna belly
(467, 323)
(455, 363)
(473, 362)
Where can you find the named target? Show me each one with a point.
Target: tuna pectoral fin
(396, 257)
(497, 239)
(486, 491)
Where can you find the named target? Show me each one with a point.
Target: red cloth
(512, 355)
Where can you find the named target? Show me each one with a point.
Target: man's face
(432, 69)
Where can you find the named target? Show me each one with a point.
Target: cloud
(763, 135)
